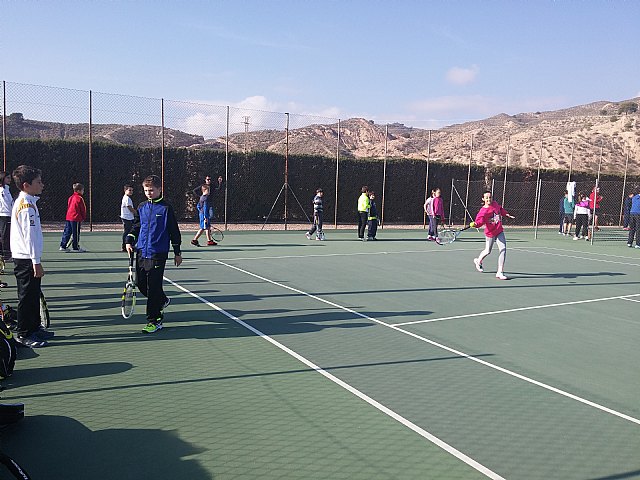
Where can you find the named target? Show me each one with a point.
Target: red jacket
(76, 208)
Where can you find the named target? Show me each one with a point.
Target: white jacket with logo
(6, 202)
(26, 232)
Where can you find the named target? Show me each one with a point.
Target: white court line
(387, 411)
(272, 257)
(581, 251)
(578, 257)
(444, 347)
(630, 299)
(520, 309)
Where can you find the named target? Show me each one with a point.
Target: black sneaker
(43, 334)
(31, 341)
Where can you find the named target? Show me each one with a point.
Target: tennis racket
(217, 234)
(449, 235)
(129, 293)
(45, 319)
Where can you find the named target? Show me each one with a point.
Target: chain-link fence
(270, 164)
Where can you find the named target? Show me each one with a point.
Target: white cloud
(462, 76)
(256, 112)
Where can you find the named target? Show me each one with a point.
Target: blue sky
(422, 63)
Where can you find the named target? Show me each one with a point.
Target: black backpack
(8, 351)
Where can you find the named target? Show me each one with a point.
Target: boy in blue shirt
(154, 228)
(204, 206)
(634, 221)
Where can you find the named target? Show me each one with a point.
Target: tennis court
(288, 358)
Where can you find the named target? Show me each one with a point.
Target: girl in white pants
(490, 216)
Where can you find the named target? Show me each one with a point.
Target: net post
(426, 181)
(286, 169)
(466, 197)
(226, 173)
(90, 161)
(335, 216)
(384, 173)
(624, 188)
(506, 167)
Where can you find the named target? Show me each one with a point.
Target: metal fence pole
(286, 169)
(536, 213)
(536, 206)
(506, 168)
(451, 204)
(90, 161)
(162, 140)
(426, 181)
(595, 195)
(335, 216)
(384, 173)
(466, 197)
(4, 125)
(571, 162)
(624, 188)
(226, 174)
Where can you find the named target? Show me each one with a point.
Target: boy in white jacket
(26, 247)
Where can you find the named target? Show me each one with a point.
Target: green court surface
(287, 358)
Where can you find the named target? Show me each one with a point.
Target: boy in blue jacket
(154, 228)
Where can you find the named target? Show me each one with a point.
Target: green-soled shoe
(152, 327)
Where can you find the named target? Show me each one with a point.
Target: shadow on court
(50, 446)
(34, 376)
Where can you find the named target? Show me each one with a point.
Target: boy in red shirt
(490, 215)
(76, 214)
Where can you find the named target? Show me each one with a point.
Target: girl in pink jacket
(490, 216)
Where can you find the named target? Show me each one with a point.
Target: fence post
(466, 197)
(506, 167)
(536, 206)
(286, 169)
(624, 188)
(226, 173)
(451, 204)
(384, 174)
(90, 161)
(426, 181)
(162, 140)
(535, 217)
(571, 162)
(335, 216)
(4, 125)
(595, 195)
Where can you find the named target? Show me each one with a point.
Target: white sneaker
(308, 236)
(576, 238)
(501, 276)
(63, 249)
(79, 250)
(559, 233)
(478, 265)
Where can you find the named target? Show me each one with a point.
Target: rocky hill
(575, 136)
(139, 135)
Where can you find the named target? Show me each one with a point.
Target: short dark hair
(487, 191)
(365, 189)
(77, 187)
(319, 190)
(371, 192)
(152, 180)
(25, 174)
(127, 186)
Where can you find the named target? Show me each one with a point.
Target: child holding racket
(154, 228)
(490, 216)
(26, 248)
(205, 220)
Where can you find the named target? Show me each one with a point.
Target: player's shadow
(34, 376)
(619, 476)
(565, 274)
(50, 447)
